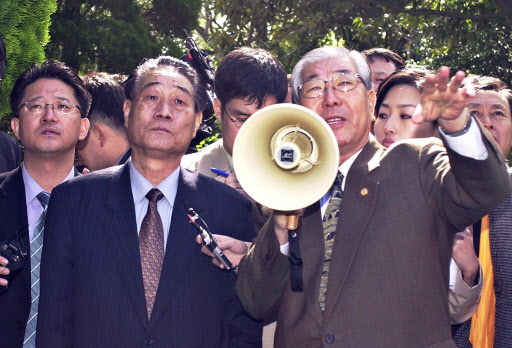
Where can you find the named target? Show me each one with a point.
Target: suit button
(148, 342)
(19, 325)
(329, 338)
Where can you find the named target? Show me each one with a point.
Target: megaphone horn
(285, 157)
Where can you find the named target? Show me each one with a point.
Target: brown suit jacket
(388, 277)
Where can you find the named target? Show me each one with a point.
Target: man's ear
(126, 109)
(198, 119)
(101, 133)
(15, 126)
(217, 109)
(371, 104)
(84, 128)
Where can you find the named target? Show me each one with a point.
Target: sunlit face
(49, 133)
(161, 120)
(349, 114)
(380, 70)
(394, 117)
(493, 110)
(236, 108)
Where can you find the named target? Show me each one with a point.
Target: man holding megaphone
(376, 248)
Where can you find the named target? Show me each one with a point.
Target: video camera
(202, 63)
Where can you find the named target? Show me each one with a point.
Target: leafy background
(115, 35)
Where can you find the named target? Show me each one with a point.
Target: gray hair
(330, 52)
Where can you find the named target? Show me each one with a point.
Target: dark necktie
(330, 221)
(36, 247)
(151, 246)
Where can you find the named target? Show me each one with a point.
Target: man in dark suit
(121, 267)
(49, 104)
(106, 145)
(492, 105)
(375, 268)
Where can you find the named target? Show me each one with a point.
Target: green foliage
(24, 27)
(115, 35)
(469, 35)
(97, 35)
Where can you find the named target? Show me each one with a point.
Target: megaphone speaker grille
(292, 184)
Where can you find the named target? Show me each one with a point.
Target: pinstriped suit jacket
(92, 293)
(15, 300)
(500, 236)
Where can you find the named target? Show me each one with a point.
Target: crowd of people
(409, 248)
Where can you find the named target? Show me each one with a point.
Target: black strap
(477, 230)
(297, 284)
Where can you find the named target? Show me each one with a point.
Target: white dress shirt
(34, 207)
(141, 186)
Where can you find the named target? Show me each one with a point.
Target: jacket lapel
(181, 237)
(357, 207)
(121, 234)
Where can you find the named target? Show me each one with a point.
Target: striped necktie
(36, 247)
(330, 221)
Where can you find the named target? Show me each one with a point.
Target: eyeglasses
(344, 82)
(37, 107)
(237, 121)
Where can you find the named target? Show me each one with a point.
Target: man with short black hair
(106, 144)
(50, 104)
(246, 80)
(383, 63)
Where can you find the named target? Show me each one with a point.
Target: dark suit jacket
(10, 155)
(16, 298)
(388, 277)
(92, 292)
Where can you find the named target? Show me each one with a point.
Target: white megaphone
(285, 157)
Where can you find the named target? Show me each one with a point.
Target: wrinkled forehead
(492, 99)
(166, 77)
(324, 69)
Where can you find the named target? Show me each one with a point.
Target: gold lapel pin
(364, 192)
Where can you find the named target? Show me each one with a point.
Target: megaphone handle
(293, 222)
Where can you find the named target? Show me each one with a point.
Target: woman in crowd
(397, 99)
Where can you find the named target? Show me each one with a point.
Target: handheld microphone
(208, 239)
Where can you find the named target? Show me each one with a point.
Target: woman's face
(394, 117)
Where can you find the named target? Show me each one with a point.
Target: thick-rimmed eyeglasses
(237, 121)
(344, 82)
(37, 107)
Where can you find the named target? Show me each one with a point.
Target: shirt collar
(32, 188)
(141, 186)
(345, 167)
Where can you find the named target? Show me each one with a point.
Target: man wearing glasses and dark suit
(50, 105)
